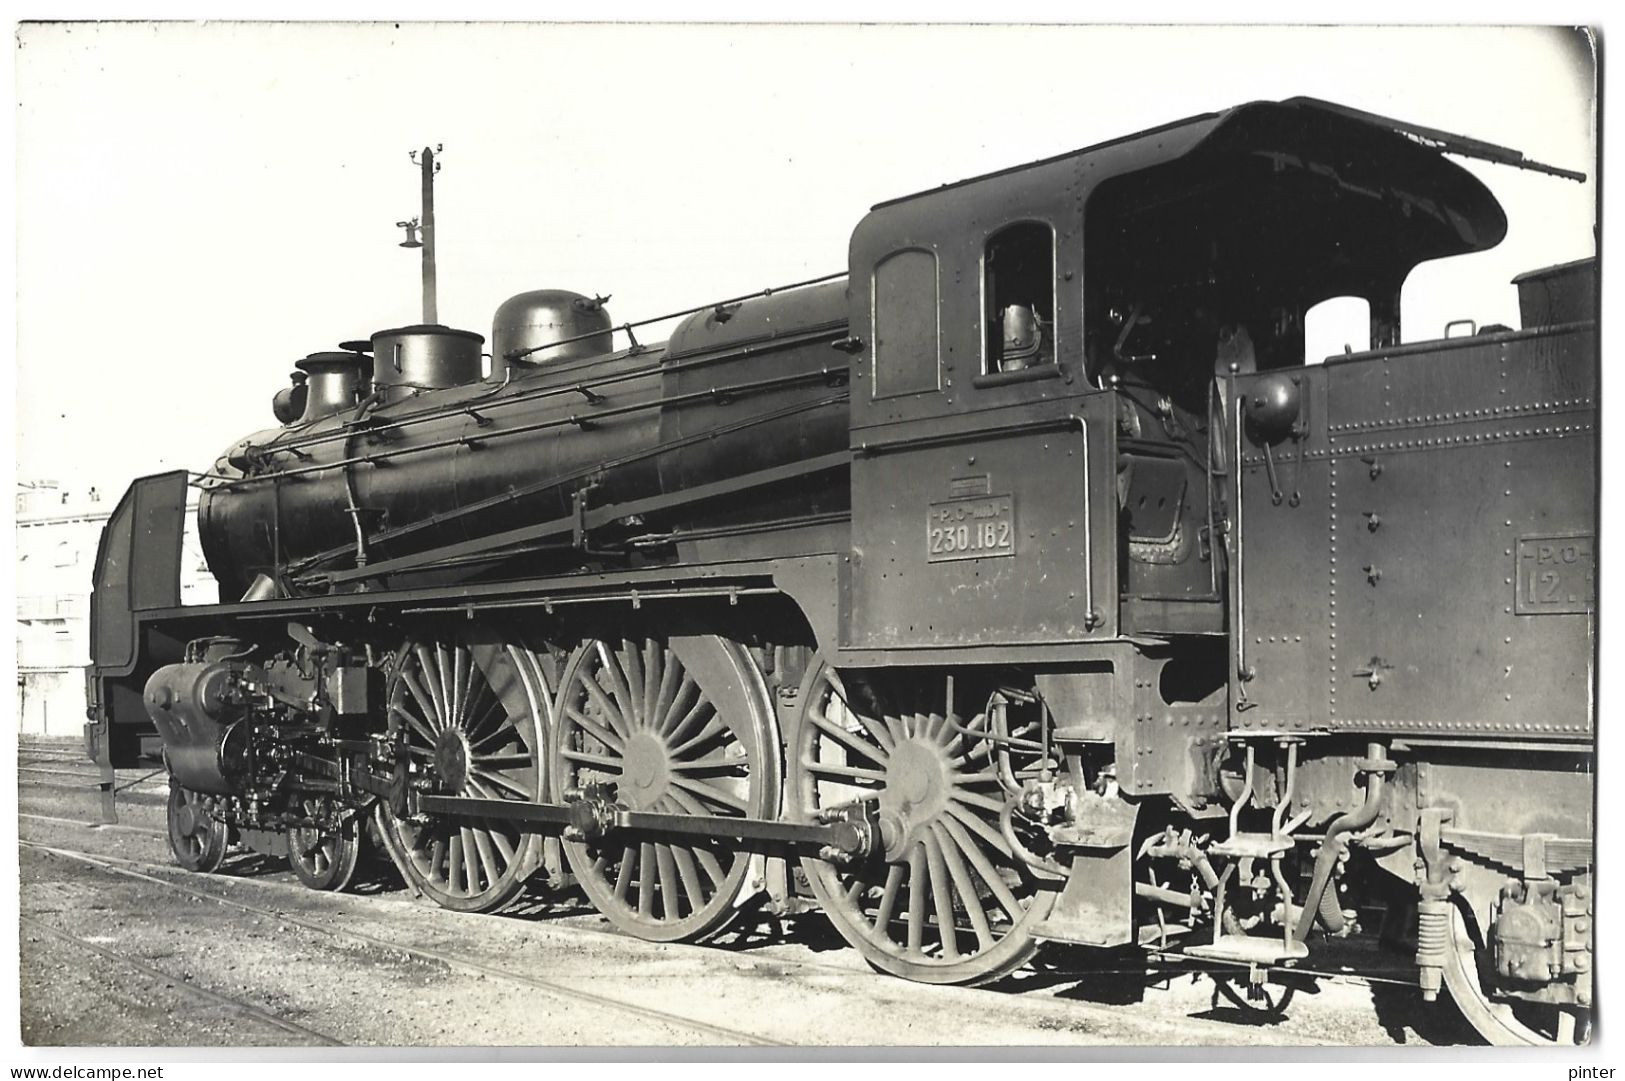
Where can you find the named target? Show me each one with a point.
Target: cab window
(1018, 290)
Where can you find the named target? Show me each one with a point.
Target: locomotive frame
(948, 599)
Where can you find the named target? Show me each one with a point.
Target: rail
(465, 964)
(184, 984)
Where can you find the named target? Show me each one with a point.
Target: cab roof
(1400, 162)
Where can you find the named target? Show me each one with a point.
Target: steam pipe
(353, 507)
(708, 395)
(1332, 844)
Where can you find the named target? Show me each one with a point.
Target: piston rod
(592, 819)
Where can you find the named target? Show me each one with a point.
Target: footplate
(1250, 950)
(1255, 845)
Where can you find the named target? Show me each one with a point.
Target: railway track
(719, 1033)
(275, 891)
(65, 751)
(70, 756)
(1173, 963)
(118, 826)
(40, 770)
(185, 985)
(24, 768)
(1153, 1029)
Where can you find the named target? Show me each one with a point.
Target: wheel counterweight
(948, 901)
(469, 714)
(679, 726)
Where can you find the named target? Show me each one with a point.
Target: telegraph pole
(424, 159)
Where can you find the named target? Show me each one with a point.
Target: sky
(201, 204)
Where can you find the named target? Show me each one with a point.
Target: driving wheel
(467, 714)
(947, 900)
(679, 726)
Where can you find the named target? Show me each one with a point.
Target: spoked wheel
(1505, 1024)
(325, 859)
(681, 726)
(196, 837)
(948, 901)
(469, 715)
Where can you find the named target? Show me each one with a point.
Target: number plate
(970, 529)
(1556, 575)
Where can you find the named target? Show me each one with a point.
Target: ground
(120, 947)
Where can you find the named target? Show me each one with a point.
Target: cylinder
(333, 383)
(407, 360)
(189, 705)
(529, 324)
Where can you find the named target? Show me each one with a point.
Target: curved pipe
(1321, 899)
(353, 507)
(1041, 866)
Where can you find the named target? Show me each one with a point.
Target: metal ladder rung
(1247, 949)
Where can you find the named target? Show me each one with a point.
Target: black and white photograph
(621, 536)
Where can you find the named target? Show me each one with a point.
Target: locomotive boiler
(412, 449)
(1025, 584)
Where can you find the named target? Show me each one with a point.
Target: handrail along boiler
(1021, 585)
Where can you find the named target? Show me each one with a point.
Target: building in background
(57, 533)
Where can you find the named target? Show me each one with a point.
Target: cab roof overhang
(1334, 200)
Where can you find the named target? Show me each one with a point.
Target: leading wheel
(196, 837)
(321, 858)
(681, 726)
(469, 716)
(948, 901)
(1505, 1023)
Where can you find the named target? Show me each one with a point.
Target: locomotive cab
(1090, 341)
(1202, 267)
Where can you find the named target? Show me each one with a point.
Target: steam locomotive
(1024, 584)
